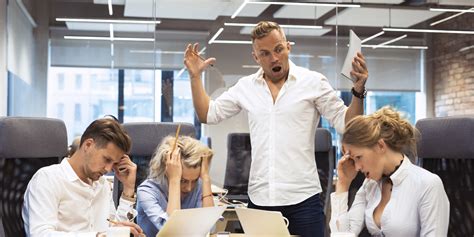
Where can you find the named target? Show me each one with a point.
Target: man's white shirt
(283, 169)
(58, 203)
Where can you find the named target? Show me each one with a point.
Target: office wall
(3, 58)
(454, 69)
(27, 57)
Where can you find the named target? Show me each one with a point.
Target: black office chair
(26, 145)
(325, 159)
(446, 148)
(239, 158)
(146, 136)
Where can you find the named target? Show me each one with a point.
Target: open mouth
(276, 69)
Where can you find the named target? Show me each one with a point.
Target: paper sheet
(354, 47)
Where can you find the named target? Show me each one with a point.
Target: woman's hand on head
(346, 171)
(205, 166)
(174, 168)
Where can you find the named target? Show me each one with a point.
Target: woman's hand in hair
(205, 166)
(173, 165)
(346, 172)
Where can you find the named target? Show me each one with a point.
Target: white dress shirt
(58, 203)
(283, 169)
(418, 206)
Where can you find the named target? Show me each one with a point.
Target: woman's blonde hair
(386, 124)
(192, 152)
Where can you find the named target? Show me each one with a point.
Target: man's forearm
(355, 108)
(200, 99)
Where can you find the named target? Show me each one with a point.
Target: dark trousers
(306, 218)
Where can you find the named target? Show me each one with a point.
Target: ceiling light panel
(114, 2)
(302, 12)
(188, 9)
(379, 17)
(456, 2)
(293, 32)
(105, 27)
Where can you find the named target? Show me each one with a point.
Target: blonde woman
(178, 180)
(397, 197)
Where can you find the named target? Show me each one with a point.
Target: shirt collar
(72, 176)
(398, 176)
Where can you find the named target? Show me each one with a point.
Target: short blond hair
(192, 152)
(264, 28)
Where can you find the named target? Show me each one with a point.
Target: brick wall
(453, 71)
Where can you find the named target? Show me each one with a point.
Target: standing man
(284, 103)
(73, 198)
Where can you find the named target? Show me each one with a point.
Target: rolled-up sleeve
(225, 106)
(343, 220)
(331, 106)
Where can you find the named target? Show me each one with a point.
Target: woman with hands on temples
(397, 197)
(177, 179)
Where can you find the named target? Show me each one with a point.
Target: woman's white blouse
(418, 206)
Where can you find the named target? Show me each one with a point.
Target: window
(77, 112)
(78, 81)
(60, 111)
(60, 81)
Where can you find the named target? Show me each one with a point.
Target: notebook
(194, 222)
(355, 46)
(262, 223)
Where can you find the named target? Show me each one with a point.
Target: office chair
(325, 159)
(26, 145)
(239, 158)
(446, 148)
(146, 136)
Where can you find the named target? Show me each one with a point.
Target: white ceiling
(189, 9)
(105, 27)
(293, 32)
(302, 12)
(379, 17)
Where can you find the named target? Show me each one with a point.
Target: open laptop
(262, 223)
(194, 222)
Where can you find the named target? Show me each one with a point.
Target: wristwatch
(359, 95)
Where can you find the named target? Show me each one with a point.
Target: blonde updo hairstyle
(386, 124)
(192, 152)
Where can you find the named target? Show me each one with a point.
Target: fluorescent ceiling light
(466, 48)
(237, 42)
(394, 46)
(282, 26)
(108, 21)
(306, 4)
(111, 29)
(372, 37)
(250, 66)
(111, 12)
(157, 52)
(301, 56)
(452, 10)
(448, 18)
(429, 31)
(107, 38)
(239, 9)
(391, 41)
(215, 35)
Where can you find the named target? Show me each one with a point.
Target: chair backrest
(446, 148)
(325, 159)
(146, 136)
(239, 158)
(26, 145)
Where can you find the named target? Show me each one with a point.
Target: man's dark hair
(107, 130)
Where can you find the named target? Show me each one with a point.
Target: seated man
(178, 179)
(74, 197)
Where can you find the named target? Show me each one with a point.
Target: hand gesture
(134, 228)
(360, 72)
(346, 170)
(126, 172)
(205, 166)
(173, 165)
(194, 63)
